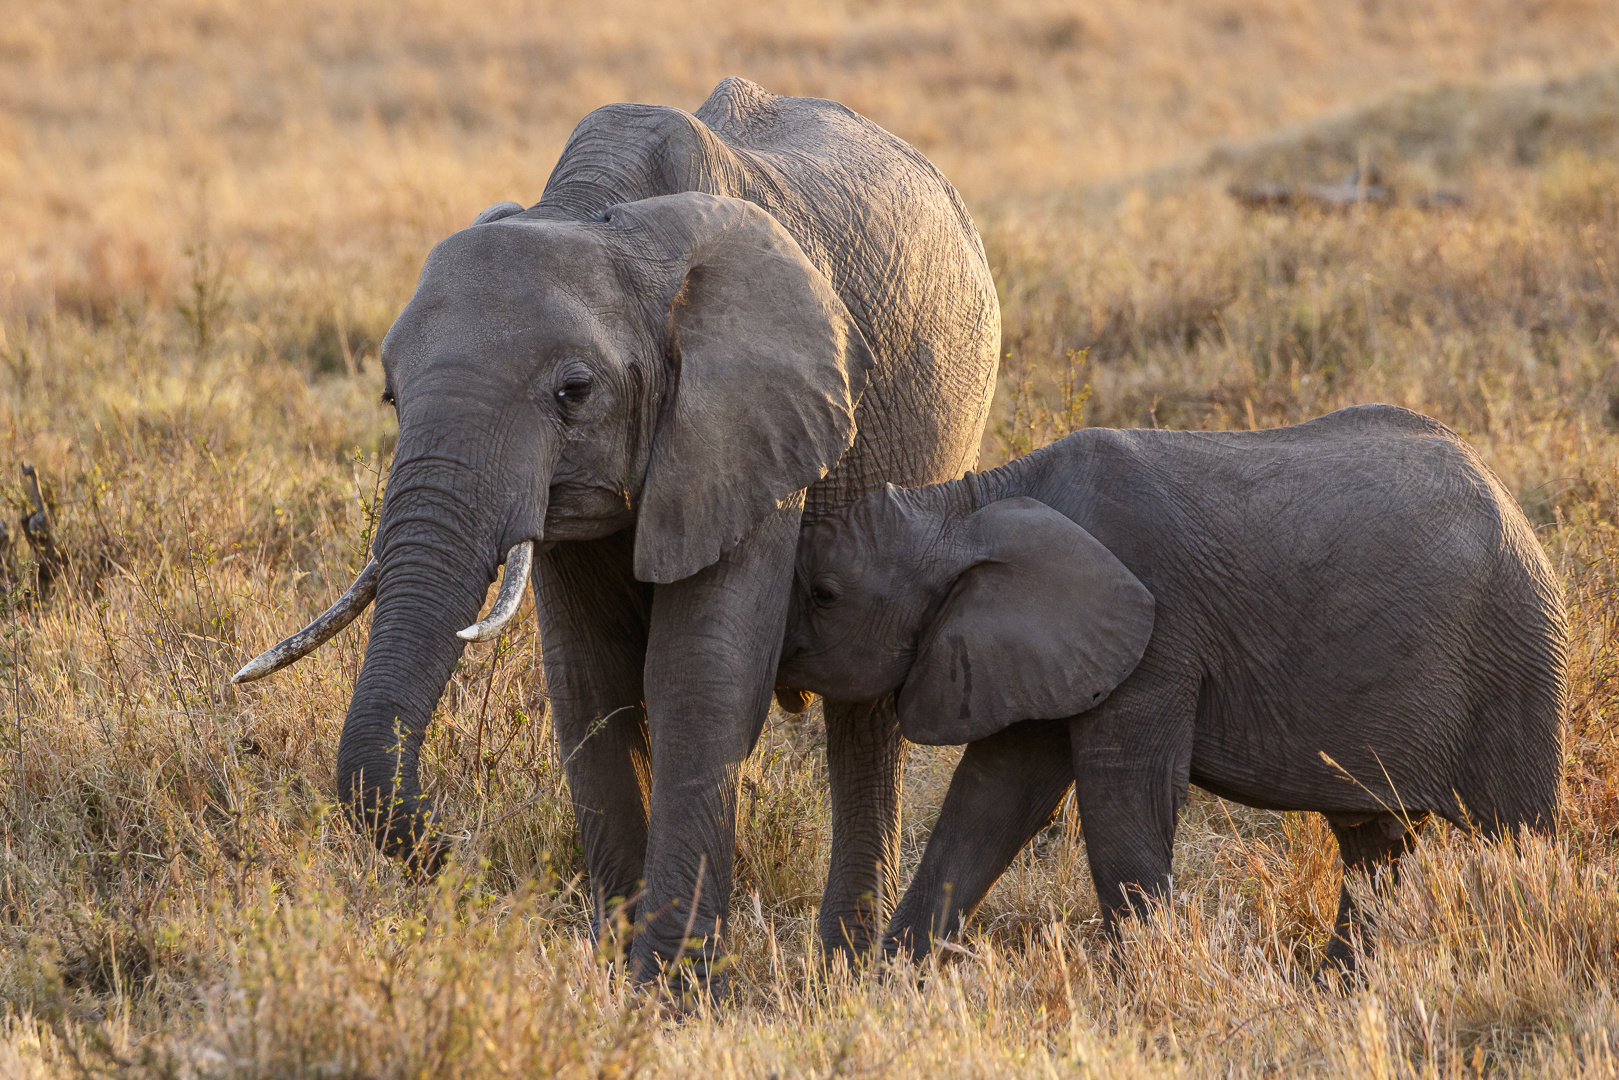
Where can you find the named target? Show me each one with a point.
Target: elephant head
(979, 620)
(676, 364)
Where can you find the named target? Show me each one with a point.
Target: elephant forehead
(482, 292)
(839, 543)
(880, 544)
(509, 267)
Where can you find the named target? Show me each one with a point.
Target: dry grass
(209, 213)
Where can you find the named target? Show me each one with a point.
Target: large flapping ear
(769, 367)
(1043, 624)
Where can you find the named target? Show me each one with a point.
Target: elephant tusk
(288, 650)
(519, 561)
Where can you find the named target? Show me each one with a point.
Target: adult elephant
(712, 329)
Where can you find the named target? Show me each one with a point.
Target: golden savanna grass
(209, 212)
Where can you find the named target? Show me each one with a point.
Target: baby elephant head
(1012, 612)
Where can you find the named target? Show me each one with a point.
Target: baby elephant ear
(1043, 624)
(768, 368)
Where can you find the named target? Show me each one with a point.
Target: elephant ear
(1043, 624)
(497, 211)
(768, 367)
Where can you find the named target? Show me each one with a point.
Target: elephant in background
(1350, 616)
(712, 329)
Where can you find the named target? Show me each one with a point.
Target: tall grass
(192, 365)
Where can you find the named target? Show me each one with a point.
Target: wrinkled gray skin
(1140, 610)
(710, 329)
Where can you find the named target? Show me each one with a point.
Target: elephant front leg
(1132, 765)
(1006, 789)
(593, 629)
(711, 662)
(865, 758)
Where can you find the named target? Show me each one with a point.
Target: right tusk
(351, 603)
(519, 561)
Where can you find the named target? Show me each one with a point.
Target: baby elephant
(1350, 616)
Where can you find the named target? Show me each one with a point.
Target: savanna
(211, 212)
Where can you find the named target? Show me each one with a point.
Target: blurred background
(288, 165)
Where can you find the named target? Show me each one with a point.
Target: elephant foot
(1339, 973)
(908, 943)
(850, 939)
(1339, 970)
(685, 976)
(689, 989)
(613, 930)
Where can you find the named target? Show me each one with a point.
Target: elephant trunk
(423, 598)
(447, 520)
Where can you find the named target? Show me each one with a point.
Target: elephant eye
(823, 594)
(574, 390)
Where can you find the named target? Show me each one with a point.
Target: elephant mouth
(578, 511)
(826, 671)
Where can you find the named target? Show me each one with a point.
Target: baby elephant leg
(1132, 760)
(1006, 788)
(1374, 845)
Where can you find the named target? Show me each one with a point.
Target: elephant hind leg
(1374, 846)
(1509, 776)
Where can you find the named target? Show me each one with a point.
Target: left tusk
(519, 561)
(348, 606)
